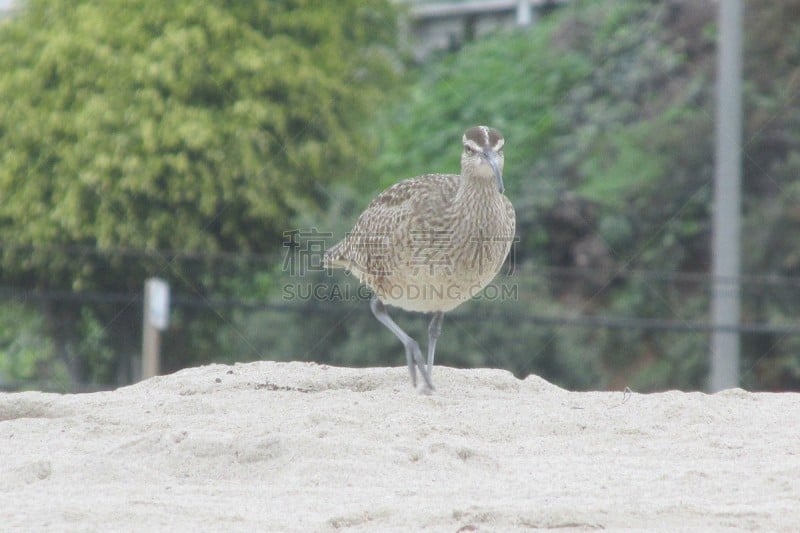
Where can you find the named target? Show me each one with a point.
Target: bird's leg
(434, 329)
(413, 353)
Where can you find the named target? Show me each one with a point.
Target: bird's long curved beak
(494, 162)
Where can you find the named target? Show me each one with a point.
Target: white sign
(157, 303)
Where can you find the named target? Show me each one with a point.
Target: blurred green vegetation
(215, 129)
(25, 351)
(134, 135)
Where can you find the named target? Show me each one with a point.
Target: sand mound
(304, 447)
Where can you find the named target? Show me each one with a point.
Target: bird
(430, 243)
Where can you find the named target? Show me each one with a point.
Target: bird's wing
(380, 230)
(512, 216)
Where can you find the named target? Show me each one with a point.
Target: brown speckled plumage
(432, 242)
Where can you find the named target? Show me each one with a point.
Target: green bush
(140, 138)
(27, 356)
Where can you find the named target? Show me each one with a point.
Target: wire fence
(305, 293)
(309, 304)
(323, 302)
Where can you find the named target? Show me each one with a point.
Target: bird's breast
(437, 266)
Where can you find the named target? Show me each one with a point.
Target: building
(439, 26)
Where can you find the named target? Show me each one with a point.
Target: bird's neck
(476, 191)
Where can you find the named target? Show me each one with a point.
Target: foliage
(495, 81)
(175, 126)
(137, 138)
(27, 356)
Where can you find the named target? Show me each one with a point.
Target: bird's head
(483, 158)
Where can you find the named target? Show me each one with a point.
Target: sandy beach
(302, 447)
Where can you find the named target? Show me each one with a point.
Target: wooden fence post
(156, 320)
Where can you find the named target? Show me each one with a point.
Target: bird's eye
(468, 150)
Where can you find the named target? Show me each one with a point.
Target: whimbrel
(432, 242)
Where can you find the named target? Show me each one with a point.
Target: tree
(137, 137)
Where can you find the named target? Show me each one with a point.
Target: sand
(301, 447)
